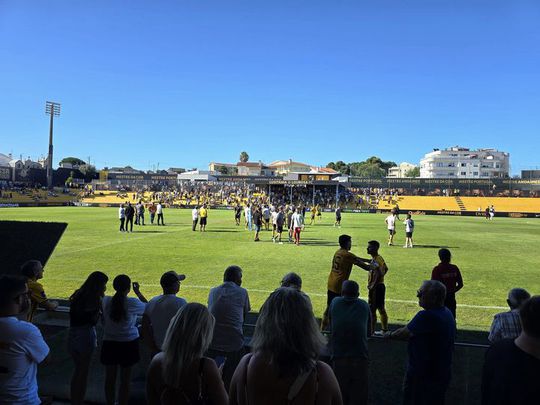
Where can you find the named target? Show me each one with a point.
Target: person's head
(516, 297)
(14, 298)
(122, 286)
(91, 291)
(445, 256)
(530, 317)
(129, 204)
(350, 289)
(170, 282)
(187, 339)
(286, 332)
(234, 274)
(345, 242)
(32, 270)
(431, 294)
(373, 247)
(121, 205)
(408, 216)
(292, 280)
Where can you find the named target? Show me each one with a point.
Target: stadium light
(52, 109)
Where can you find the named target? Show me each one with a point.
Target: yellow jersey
(341, 269)
(377, 271)
(203, 212)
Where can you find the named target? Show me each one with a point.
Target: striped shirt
(506, 325)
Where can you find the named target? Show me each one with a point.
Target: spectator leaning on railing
(507, 325)
(33, 271)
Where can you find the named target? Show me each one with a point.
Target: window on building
(463, 173)
(464, 165)
(475, 173)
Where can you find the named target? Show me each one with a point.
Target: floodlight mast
(52, 109)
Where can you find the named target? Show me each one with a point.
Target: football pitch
(493, 256)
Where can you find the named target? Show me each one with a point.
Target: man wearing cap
(161, 309)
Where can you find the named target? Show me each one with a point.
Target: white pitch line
(205, 287)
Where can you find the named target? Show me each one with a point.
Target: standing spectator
(283, 366)
(229, 303)
(159, 212)
(195, 218)
(290, 213)
(247, 216)
(507, 325)
(391, 225)
(338, 217)
(237, 214)
(266, 216)
(161, 309)
(129, 212)
(120, 337)
(181, 374)
(122, 217)
(203, 214)
(409, 229)
(33, 271)
(140, 213)
(512, 366)
(450, 276)
(297, 224)
(350, 326)
(280, 221)
(257, 221)
(22, 346)
(431, 335)
(84, 313)
(152, 210)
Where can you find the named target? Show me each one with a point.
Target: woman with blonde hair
(181, 374)
(283, 367)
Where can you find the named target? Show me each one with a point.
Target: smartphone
(220, 360)
(135, 285)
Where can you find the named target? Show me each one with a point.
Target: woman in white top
(120, 337)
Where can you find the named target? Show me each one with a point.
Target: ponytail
(121, 284)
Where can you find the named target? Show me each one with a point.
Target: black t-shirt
(510, 376)
(257, 218)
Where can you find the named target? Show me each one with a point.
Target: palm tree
(244, 157)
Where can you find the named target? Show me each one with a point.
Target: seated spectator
(292, 280)
(512, 366)
(181, 374)
(22, 346)
(33, 270)
(450, 276)
(120, 346)
(283, 367)
(507, 325)
(350, 324)
(161, 309)
(229, 303)
(431, 335)
(84, 313)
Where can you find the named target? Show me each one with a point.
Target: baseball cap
(171, 277)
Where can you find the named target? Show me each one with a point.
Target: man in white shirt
(229, 303)
(122, 217)
(274, 225)
(161, 309)
(22, 346)
(409, 229)
(297, 225)
(391, 225)
(159, 212)
(195, 217)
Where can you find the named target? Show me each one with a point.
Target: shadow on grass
(434, 247)
(221, 231)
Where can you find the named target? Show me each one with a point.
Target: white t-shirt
(159, 209)
(297, 220)
(274, 217)
(266, 213)
(391, 222)
(195, 214)
(125, 330)
(22, 348)
(121, 213)
(409, 225)
(160, 310)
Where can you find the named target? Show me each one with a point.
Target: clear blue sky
(184, 83)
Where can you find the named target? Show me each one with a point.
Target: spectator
(181, 374)
(129, 212)
(512, 366)
(140, 213)
(229, 303)
(350, 326)
(507, 325)
(159, 212)
(292, 280)
(431, 335)
(122, 216)
(450, 276)
(161, 309)
(33, 270)
(195, 218)
(152, 210)
(84, 313)
(22, 346)
(297, 220)
(283, 367)
(120, 337)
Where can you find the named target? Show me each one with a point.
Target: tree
(331, 165)
(415, 172)
(89, 172)
(222, 170)
(244, 157)
(73, 161)
(342, 167)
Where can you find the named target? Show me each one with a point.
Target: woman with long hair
(283, 366)
(181, 374)
(84, 313)
(120, 337)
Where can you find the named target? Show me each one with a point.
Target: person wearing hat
(161, 309)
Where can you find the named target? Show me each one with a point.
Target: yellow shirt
(377, 271)
(341, 269)
(203, 212)
(37, 297)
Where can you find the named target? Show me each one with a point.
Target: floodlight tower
(53, 109)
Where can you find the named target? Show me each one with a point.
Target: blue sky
(182, 83)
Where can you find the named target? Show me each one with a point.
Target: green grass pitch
(493, 256)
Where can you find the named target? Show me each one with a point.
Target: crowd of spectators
(199, 353)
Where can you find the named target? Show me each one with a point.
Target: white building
(400, 171)
(458, 162)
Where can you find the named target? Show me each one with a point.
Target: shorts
(82, 339)
(123, 354)
(203, 221)
(257, 228)
(408, 234)
(274, 227)
(280, 228)
(376, 297)
(338, 219)
(392, 231)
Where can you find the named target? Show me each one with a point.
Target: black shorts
(392, 231)
(280, 228)
(123, 354)
(408, 234)
(338, 219)
(376, 297)
(257, 227)
(203, 221)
